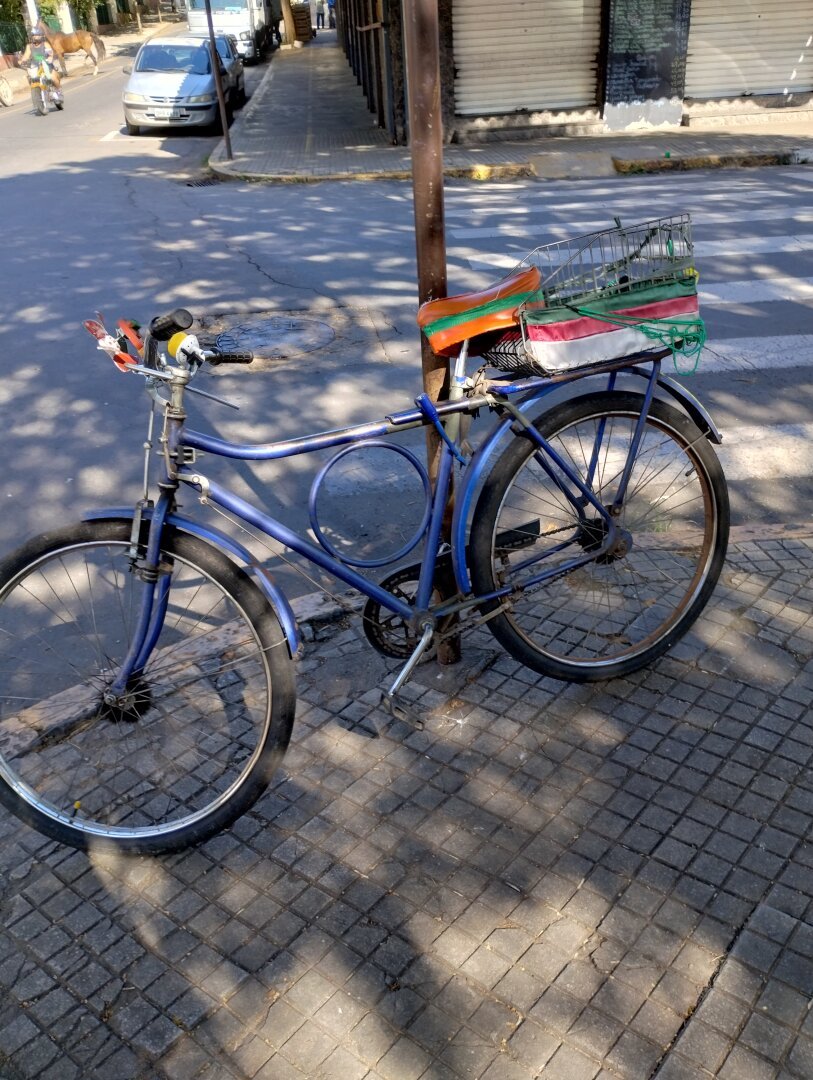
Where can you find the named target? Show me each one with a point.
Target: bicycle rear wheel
(205, 724)
(627, 607)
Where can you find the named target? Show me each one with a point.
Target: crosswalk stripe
(625, 200)
(766, 452)
(758, 290)
(552, 232)
(756, 354)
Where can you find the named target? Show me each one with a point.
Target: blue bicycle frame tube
(427, 575)
(636, 439)
(150, 617)
(219, 495)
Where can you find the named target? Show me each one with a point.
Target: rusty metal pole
(422, 48)
(214, 59)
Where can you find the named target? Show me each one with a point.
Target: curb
(701, 161)
(317, 613)
(474, 172)
(509, 171)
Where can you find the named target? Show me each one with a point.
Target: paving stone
(533, 1045)
(742, 1064)
(675, 1067)
(594, 1033)
(405, 1060)
(157, 1036)
(800, 1058)
(657, 1022)
(371, 1039)
(633, 1056)
(570, 1064)
(766, 1037)
(723, 1011)
(342, 1064)
(703, 1045)
(37, 1055)
(465, 1056)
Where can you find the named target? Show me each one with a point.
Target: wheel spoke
(177, 750)
(616, 612)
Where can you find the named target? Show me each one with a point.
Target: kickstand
(403, 712)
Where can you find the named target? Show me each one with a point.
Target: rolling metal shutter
(525, 54)
(739, 47)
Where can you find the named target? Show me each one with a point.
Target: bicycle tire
(620, 612)
(208, 721)
(40, 101)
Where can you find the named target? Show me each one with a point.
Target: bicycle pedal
(400, 712)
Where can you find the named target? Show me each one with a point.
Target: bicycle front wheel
(39, 100)
(620, 611)
(203, 727)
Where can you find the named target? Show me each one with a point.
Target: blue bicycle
(146, 657)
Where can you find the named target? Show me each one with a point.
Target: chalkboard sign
(646, 55)
(647, 49)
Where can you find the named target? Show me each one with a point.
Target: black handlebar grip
(232, 358)
(163, 327)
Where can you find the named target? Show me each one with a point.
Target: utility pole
(422, 47)
(214, 58)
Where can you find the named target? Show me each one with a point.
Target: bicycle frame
(422, 615)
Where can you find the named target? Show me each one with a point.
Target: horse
(78, 41)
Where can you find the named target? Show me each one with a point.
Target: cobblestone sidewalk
(570, 882)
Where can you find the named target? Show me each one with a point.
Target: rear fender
(273, 594)
(689, 403)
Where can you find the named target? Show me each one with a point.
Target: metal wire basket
(595, 268)
(613, 261)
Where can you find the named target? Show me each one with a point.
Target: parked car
(248, 20)
(171, 84)
(227, 48)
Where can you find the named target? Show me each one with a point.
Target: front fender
(273, 594)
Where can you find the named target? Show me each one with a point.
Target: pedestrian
(320, 14)
(331, 12)
(276, 19)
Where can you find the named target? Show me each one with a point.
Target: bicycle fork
(156, 581)
(156, 578)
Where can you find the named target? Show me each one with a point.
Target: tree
(288, 19)
(12, 26)
(86, 13)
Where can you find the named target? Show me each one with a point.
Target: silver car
(232, 65)
(171, 85)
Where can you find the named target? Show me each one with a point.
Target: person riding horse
(38, 51)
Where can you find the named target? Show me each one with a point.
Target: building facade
(528, 67)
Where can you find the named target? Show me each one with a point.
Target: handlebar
(229, 357)
(163, 327)
(129, 346)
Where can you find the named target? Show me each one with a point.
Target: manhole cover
(278, 337)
